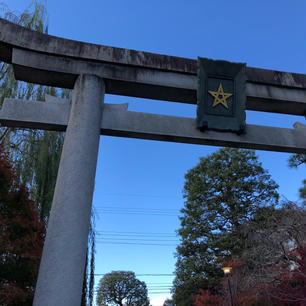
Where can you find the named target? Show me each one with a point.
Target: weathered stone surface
(50, 115)
(50, 60)
(62, 265)
(118, 121)
(147, 83)
(12, 35)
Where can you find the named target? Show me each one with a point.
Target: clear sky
(138, 190)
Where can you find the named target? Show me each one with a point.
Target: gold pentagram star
(220, 96)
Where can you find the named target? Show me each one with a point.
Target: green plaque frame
(221, 95)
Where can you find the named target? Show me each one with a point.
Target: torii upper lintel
(50, 60)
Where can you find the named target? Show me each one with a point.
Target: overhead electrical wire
(145, 274)
(132, 243)
(137, 211)
(136, 238)
(134, 233)
(124, 236)
(149, 285)
(136, 208)
(146, 195)
(151, 293)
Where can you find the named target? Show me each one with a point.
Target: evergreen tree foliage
(294, 161)
(222, 192)
(121, 288)
(297, 159)
(21, 239)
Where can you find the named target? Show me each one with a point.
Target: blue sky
(139, 182)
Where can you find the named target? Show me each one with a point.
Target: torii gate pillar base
(61, 272)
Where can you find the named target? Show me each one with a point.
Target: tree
(121, 288)
(291, 290)
(168, 302)
(35, 154)
(222, 192)
(271, 270)
(270, 267)
(205, 298)
(295, 161)
(21, 239)
(271, 235)
(286, 289)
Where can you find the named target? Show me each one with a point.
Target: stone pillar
(61, 272)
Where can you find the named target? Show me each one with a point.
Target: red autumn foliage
(288, 289)
(291, 291)
(21, 239)
(205, 298)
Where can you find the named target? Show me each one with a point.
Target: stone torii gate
(93, 70)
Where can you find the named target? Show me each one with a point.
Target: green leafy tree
(121, 288)
(35, 154)
(222, 192)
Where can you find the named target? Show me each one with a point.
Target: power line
(106, 235)
(135, 239)
(169, 285)
(145, 274)
(160, 286)
(149, 287)
(157, 285)
(159, 293)
(150, 292)
(136, 233)
(152, 289)
(132, 243)
(139, 195)
(159, 290)
(136, 208)
(137, 213)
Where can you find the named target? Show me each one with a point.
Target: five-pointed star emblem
(220, 96)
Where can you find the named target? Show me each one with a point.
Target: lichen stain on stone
(290, 79)
(299, 79)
